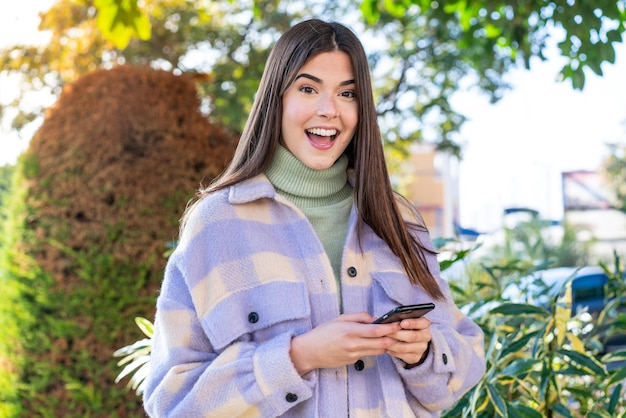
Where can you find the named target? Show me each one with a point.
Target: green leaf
(145, 326)
(512, 412)
(578, 78)
(518, 344)
(497, 400)
(492, 31)
(369, 9)
(561, 409)
(607, 53)
(594, 414)
(614, 36)
(445, 264)
(142, 26)
(395, 8)
(618, 376)
(520, 367)
(514, 309)
(120, 20)
(615, 398)
(454, 6)
(524, 411)
(584, 361)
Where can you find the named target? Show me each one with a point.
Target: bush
(96, 198)
(542, 361)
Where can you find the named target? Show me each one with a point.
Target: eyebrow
(318, 80)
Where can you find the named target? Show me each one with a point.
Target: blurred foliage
(543, 359)
(614, 168)
(542, 243)
(136, 357)
(94, 201)
(121, 20)
(6, 174)
(39, 319)
(521, 29)
(420, 50)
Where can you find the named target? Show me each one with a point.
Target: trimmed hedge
(95, 200)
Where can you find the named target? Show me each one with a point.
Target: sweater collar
(290, 176)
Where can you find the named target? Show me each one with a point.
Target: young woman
(285, 261)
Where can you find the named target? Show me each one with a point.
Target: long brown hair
(374, 197)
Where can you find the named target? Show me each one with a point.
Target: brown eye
(348, 94)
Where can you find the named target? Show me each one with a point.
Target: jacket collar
(255, 188)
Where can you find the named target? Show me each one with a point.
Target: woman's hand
(343, 341)
(411, 341)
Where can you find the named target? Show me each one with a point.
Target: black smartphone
(404, 312)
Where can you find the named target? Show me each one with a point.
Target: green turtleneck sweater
(325, 197)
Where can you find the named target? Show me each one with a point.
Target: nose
(327, 107)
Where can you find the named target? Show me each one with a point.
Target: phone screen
(404, 312)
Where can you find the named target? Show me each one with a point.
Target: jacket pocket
(393, 288)
(259, 313)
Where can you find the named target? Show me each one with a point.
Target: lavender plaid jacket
(248, 274)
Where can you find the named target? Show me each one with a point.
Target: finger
(381, 330)
(360, 317)
(412, 336)
(373, 346)
(415, 323)
(401, 349)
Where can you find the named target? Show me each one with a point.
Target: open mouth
(322, 137)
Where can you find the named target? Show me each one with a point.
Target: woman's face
(320, 110)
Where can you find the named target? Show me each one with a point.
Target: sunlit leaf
(145, 326)
(492, 31)
(121, 20)
(369, 8)
(395, 8)
(577, 343)
(563, 314)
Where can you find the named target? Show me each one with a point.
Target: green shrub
(94, 202)
(542, 360)
(51, 366)
(6, 174)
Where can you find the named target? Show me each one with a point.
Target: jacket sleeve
(456, 361)
(189, 377)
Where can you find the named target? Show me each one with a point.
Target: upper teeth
(322, 132)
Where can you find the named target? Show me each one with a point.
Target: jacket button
(444, 358)
(291, 397)
(253, 317)
(352, 271)
(359, 365)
